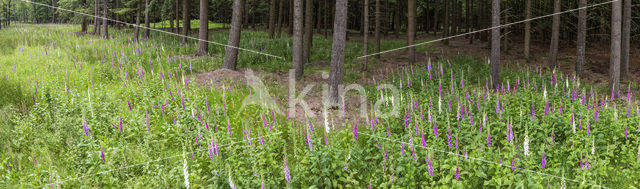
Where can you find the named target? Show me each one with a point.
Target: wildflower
(638, 152)
(185, 172)
(84, 126)
(526, 144)
(625, 132)
(544, 160)
(229, 127)
(102, 154)
(435, 129)
(499, 158)
(457, 171)
(402, 147)
(513, 163)
(286, 170)
(430, 167)
(488, 137)
(231, 184)
(593, 148)
(355, 132)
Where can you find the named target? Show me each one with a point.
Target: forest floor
(596, 70)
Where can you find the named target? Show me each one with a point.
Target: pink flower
(287, 176)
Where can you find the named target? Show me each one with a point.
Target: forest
(319, 94)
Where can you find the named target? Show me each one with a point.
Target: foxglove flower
(355, 132)
(102, 154)
(287, 176)
(544, 160)
(430, 167)
(513, 163)
(402, 147)
(185, 172)
(457, 172)
(526, 144)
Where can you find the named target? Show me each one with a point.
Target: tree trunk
(376, 46)
(280, 17)
(396, 19)
(297, 59)
(117, 6)
(365, 26)
(614, 66)
(146, 19)
(136, 31)
(245, 18)
(96, 8)
(308, 31)
(411, 30)
(105, 14)
(176, 13)
(527, 30)
(84, 25)
(446, 26)
(291, 14)
(555, 32)
(186, 21)
(626, 37)
(582, 29)
(203, 34)
(231, 52)
(337, 53)
(272, 19)
(468, 20)
(253, 14)
(495, 44)
(436, 20)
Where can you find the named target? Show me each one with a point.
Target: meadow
(77, 111)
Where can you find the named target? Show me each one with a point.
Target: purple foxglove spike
(430, 165)
(424, 144)
(55, 124)
(287, 176)
(533, 111)
(435, 129)
(513, 163)
(326, 142)
(449, 137)
(544, 160)
(488, 138)
(310, 143)
(102, 154)
(229, 127)
(546, 108)
(261, 139)
(499, 158)
(402, 147)
(355, 132)
(457, 172)
(84, 126)
(129, 103)
(625, 132)
(588, 128)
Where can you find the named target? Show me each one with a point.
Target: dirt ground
(596, 72)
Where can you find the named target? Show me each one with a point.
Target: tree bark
(146, 19)
(582, 29)
(297, 59)
(280, 17)
(84, 26)
(105, 14)
(337, 53)
(555, 35)
(626, 37)
(291, 15)
(245, 18)
(411, 30)
(177, 17)
(272, 19)
(495, 44)
(376, 46)
(396, 19)
(136, 31)
(203, 34)
(365, 26)
(186, 21)
(446, 26)
(231, 52)
(96, 23)
(308, 31)
(614, 65)
(527, 30)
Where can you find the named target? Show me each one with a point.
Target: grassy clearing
(96, 111)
